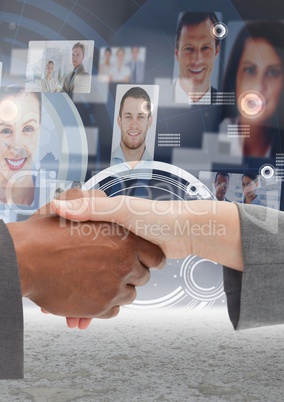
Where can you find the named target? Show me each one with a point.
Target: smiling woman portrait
(255, 73)
(20, 115)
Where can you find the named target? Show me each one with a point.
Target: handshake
(80, 270)
(83, 255)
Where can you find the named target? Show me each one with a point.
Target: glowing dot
(12, 26)
(251, 104)
(147, 107)
(219, 30)
(52, 174)
(8, 110)
(267, 172)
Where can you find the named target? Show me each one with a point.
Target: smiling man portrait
(196, 49)
(134, 120)
(78, 80)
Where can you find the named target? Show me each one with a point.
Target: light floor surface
(176, 355)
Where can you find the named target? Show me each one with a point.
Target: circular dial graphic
(190, 282)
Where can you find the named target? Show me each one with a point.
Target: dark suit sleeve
(11, 311)
(256, 297)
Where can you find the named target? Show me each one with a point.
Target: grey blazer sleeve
(256, 297)
(11, 311)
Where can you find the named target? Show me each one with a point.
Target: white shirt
(118, 157)
(180, 96)
(119, 75)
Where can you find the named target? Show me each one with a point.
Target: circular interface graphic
(147, 107)
(198, 275)
(251, 104)
(9, 110)
(190, 282)
(219, 30)
(267, 172)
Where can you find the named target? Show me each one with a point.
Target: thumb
(88, 208)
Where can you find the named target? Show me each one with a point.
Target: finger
(84, 323)
(127, 295)
(75, 193)
(72, 322)
(71, 194)
(150, 255)
(90, 206)
(81, 323)
(138, 276)
(132, 294)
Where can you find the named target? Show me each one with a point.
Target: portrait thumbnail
(134, 125)
(60, 66)
(254, 71)
(42, 140)
(248, 187)
(197, 47)
(122, 64)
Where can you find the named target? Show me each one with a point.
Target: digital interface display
(93, 84)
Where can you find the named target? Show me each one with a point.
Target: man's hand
(83, 269)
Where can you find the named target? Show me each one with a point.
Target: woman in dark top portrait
(255, 73)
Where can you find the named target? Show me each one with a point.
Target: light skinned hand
(208, 229)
